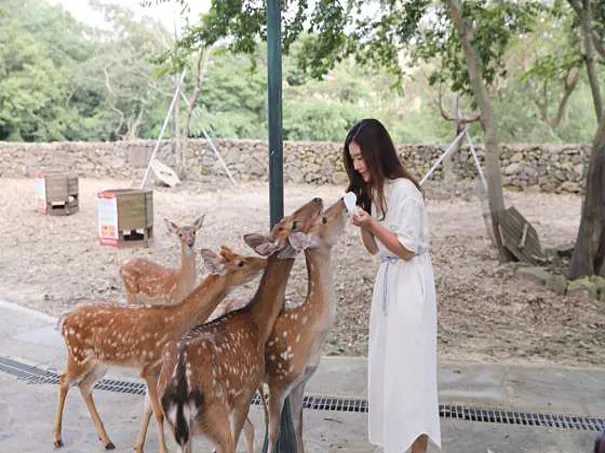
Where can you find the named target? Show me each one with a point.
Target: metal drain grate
(36, 375)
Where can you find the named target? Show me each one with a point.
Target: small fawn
(101, 335)
(293, 350)
(208, 378)
(147, 281)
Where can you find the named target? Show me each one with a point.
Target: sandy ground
(53, 263)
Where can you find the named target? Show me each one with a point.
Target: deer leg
(86, 387)
(239, 418)
(145, 419)
(277, 398)
(73, 373)
(152, 390)
(249, 433)
(218, 431)
(296, 403)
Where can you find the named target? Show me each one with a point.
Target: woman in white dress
(402, 353)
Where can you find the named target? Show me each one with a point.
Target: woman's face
(358, 163)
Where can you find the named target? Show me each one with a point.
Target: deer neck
(320, 290)
(187, 268)
(270, 296)
(199, 305)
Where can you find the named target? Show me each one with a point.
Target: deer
(293, 350)
(147, 281)
(227, 306)
(209, 376)
(102, 335)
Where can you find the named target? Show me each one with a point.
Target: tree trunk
(570, 83)
(449, 177)
(589, 253)
(586, 20)
(489, 122)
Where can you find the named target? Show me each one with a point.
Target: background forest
(61, 79)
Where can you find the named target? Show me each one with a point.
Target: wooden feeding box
(125, 217)
(56, 193)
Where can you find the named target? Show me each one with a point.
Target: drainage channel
(36, 375)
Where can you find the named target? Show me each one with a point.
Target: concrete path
(27, 417)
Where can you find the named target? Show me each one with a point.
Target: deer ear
(261, 244)
(212, 262)
(302, 241)
(199, 222)
(171, 226)
(298, 241)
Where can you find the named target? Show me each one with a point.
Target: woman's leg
(420, 444)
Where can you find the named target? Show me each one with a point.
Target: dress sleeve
(406, 218)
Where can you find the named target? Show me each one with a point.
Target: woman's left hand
(362, 220)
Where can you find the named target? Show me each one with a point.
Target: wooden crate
(125, 217)
(56, 193)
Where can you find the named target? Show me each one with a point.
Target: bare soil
(485, 314)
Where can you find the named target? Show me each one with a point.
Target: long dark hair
(381, 160)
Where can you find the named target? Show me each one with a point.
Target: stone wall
(546, 168)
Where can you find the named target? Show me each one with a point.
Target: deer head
(186, 234)
(237, 267)
(300, 221)
(326, 230)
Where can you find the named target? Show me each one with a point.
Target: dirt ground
(485, 314)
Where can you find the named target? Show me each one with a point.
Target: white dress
(402, 356)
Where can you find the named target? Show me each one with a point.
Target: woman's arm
(369, 242)
(371, 228)
(389, 239)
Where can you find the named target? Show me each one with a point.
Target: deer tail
(180, 402)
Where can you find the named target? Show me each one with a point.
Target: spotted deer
(293, 350)
(102, 335)
(147, 281)
(208, 378)
(227, 306)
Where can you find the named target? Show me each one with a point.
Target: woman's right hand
(362, 220)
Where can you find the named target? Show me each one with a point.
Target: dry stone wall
(546, 168)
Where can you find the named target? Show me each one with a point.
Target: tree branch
(200, 69)
(598, 44)
(570, 83)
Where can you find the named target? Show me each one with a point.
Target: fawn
(101, 335)
(209, 377)
(146, 281)
(293, 350)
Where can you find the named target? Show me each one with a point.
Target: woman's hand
(362, 220)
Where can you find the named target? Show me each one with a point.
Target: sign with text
(108, 219)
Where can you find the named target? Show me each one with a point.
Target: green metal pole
(276, 173)
(286, 441)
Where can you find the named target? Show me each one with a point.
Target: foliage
(63, 80)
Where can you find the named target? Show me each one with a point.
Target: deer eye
(324, 220)
(240, 264)
(295, 225)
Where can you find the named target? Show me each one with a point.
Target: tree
(589, 253)
(467, 37)
(30, 84)
(550, 64)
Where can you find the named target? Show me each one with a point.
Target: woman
(402, 356)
